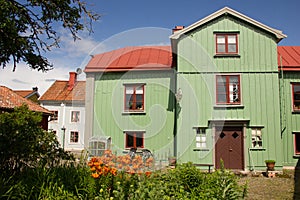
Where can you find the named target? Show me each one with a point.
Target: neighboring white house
(66, 99)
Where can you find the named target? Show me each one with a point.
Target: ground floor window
(256, 138)
(74, 136)
(297, 143)
(134, 139)
(200, 138)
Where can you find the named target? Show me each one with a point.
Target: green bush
(74, 181)
(23, 143)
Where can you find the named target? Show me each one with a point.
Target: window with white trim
(75, 116)
(134, 97)
(256, 136)
(201, 138)
(74, 137)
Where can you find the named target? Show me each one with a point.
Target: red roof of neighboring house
(132, 58)
(9, 99)
(289, 58)
(24, 93)
(59, 91)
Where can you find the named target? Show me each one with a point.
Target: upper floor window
(74, 136)
(134, 97)
(75, 116)
(226, 43)
(134, 139)
(54, 116)
(228, 89)
(296, 96)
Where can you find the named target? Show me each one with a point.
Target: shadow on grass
(297, 181)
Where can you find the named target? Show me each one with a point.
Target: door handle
(230, 149)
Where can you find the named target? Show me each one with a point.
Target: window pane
(231, 48)
(231, 39)
(75, 116)
(129, 90)
(129, 141)
(296, 89)
(221, 39)
(139, 102)
(297, 143)
(139, 90)
(221, 48)
(129, 101)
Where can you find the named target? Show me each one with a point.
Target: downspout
(281, 98)
(63, 128)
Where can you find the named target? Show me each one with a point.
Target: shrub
(23, 143)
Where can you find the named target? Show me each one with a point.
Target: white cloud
(24, 78)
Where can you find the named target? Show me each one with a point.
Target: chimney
(177, 28)
(72, 80)
(35, 89)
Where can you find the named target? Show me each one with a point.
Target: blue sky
(138, 22)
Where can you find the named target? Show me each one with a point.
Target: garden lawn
(269, 188)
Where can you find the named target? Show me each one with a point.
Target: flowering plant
(109, 163)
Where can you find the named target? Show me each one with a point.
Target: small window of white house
(74, 137)
(256, 138)
(75, 116)
(201, 138)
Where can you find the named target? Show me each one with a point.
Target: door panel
(229, 147)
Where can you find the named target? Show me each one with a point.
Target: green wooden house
(289, 79)
(130, 101)
(223, 91)
(228, 74)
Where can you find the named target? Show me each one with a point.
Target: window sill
(198, 149)
(134, 113)
(227, 55)
(296, 112)
(228, 106)
(257, 149)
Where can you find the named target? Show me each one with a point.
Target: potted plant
(270, 165)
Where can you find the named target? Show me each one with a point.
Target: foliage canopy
(23, 143)
(28, 27)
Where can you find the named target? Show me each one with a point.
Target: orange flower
(93, 168)
(148, 173)
(95, 175)
(113, 171)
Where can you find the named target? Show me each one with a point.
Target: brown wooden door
(229, 147)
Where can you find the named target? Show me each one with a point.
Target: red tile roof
(289, 58)
(132, 58)
(24, 93)
(9, 99)
(59, 91)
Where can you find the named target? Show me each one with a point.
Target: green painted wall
(290, 120)
(157, 121)
(257, 67)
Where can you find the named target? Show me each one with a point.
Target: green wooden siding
(290, 120)
(257, 50)
(157, 121)
(257, 67)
